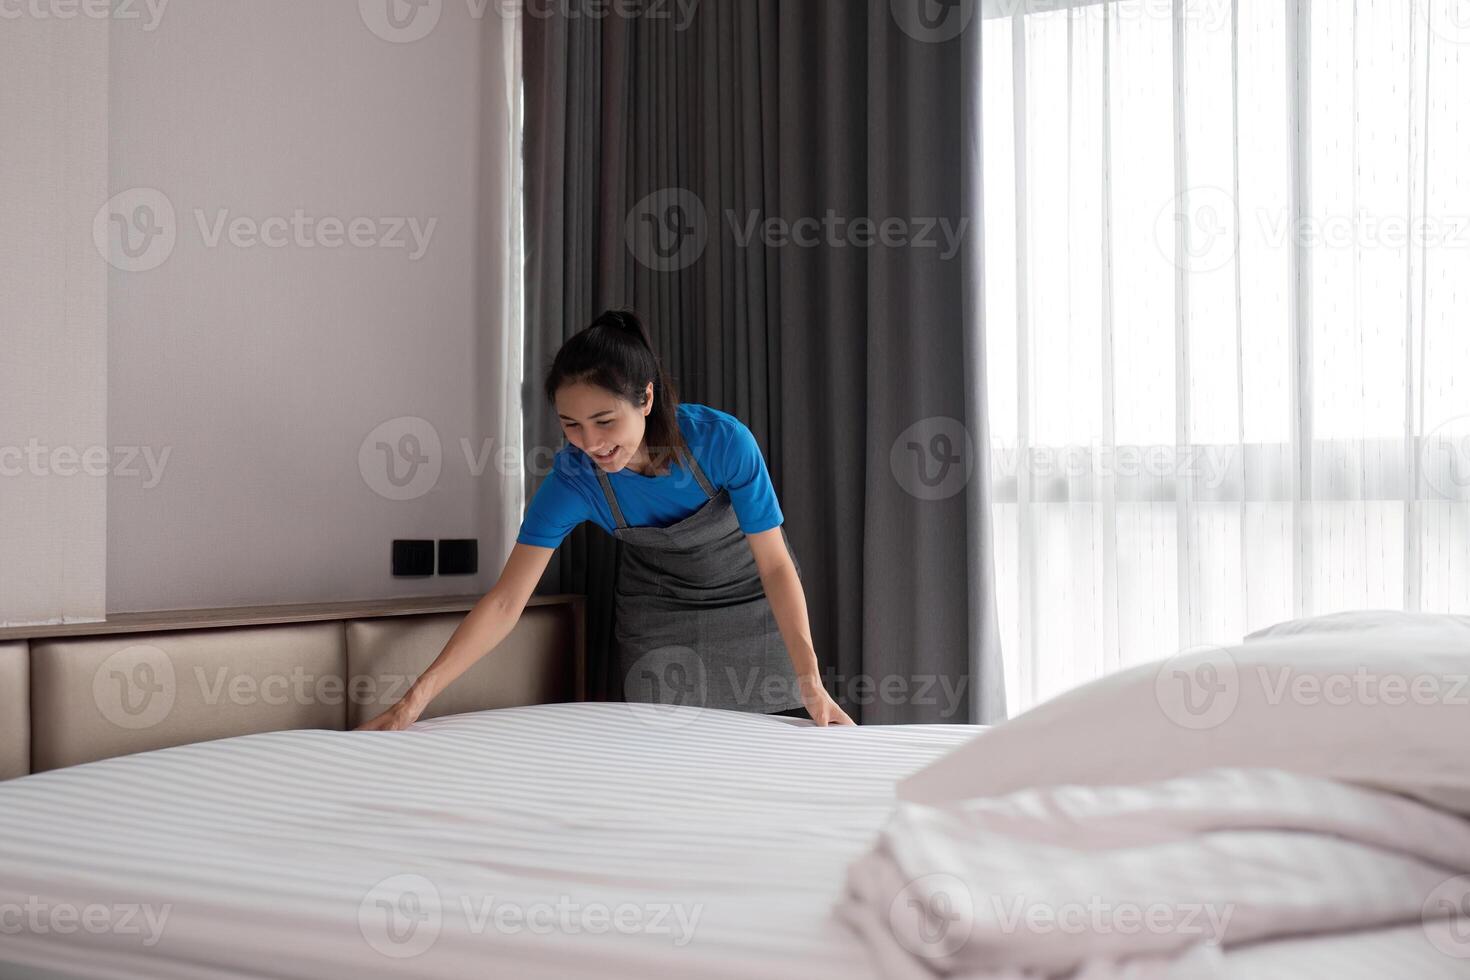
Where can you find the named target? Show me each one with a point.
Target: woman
(709, 607)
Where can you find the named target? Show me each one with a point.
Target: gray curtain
(656, 152)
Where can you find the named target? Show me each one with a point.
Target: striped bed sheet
(548, 841)
(573, 840)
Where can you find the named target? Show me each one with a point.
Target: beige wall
(53, 321)
(260, 371)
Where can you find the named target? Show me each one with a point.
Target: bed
(722, 835)
(603, 839)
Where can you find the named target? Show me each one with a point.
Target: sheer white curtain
(1228, 318)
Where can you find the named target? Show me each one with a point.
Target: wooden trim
(190, 619)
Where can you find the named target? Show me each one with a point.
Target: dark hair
(615, 353)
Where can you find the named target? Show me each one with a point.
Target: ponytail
(616, 353)
(627, 321)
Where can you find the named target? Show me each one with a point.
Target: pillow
(1358, 619)
(1386, 707)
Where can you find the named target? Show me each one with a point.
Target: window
(1228, 320)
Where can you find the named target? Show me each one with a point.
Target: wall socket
(459, 556)
(413, 558)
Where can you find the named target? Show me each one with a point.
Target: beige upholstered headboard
(75, 694)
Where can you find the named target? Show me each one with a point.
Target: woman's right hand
(487, 624)
(395, 719)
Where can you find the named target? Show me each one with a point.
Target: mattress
(549, 841)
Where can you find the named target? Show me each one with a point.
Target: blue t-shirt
(727, 453)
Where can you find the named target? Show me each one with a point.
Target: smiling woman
(611, 392)
(709, 606)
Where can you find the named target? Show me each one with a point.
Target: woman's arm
(491, 619)
(788, 603)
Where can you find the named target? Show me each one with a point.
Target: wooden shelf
(193, 619)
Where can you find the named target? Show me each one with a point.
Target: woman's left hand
(821, 707)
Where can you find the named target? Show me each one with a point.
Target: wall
(53, 321)
(248, 379)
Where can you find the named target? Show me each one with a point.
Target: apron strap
(612, 501)
(687, 460)
(693, 466)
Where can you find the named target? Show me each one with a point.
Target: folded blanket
(1149, 880)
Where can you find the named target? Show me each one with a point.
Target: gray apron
(692, 623)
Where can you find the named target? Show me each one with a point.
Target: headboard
(140, 681)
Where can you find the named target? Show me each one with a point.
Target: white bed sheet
(269, 853)
(723, 837)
